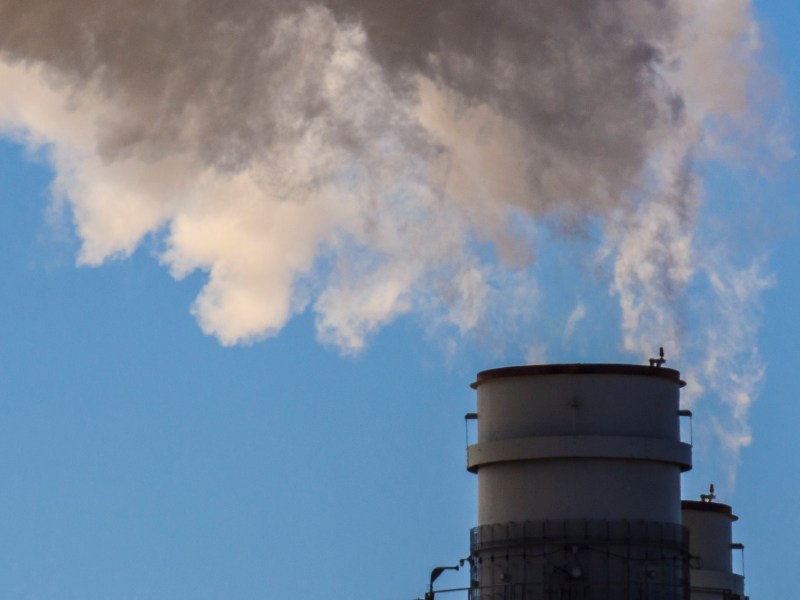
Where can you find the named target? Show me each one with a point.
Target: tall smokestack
(579, 490)
(579, 484)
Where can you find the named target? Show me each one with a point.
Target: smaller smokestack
(710, 549)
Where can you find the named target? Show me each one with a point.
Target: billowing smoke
(367, 159)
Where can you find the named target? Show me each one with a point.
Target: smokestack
(579, 483)
(579, 490)
(711, 546)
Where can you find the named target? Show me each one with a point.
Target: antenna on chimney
(657, 362)
(707, 498)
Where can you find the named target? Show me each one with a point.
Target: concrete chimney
(710, 549)
(579, 484)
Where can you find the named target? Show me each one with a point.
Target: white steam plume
(367, 159)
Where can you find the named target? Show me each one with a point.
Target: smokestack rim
(577, 369)
(715, 507)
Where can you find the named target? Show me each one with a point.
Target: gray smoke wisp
(368, 159)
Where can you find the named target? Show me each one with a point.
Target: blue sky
(140, 459)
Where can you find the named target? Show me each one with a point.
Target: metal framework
(579, 560)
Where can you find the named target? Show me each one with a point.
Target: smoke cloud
(367, 159)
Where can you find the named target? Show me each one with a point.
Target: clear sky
(141, 459)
